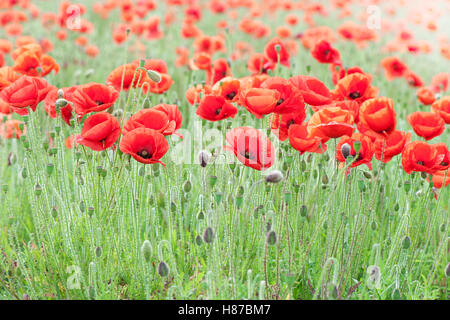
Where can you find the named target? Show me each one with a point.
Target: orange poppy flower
(394, 68)
(228, 88)
(426, 124)
(442, 108)
(386, 149)
(259, 63)
(147, 118)
(302, 142)
(145, 145)
(290, 100)
(7, 76)
(413, 79)
(365, 153)
(440, 82)
(127, 76)
(100, 131)
(215, 108)
(259, 101)
(331, 122)
(93, 97)
(440, 178)
(377, 118)
(251, 147)
(426, 95)
(219, 70)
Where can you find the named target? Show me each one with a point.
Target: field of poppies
(224, 149)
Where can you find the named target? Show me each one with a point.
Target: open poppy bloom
(426, 95)
(365, 152)
(276, 52)
(386, 149)
(314, 92)
(93, 97)
(25, 92)
(259, 63)
(7, 76)
(174, 115)
(442, 108)
(251, 147)
(145, 145)
(281, 128)
(290, 99)
(159, 87)
(147, 118)
(422, 157)
(440, 178)
(215, 108)
(302, 142)
(377, 118)
(50, 100)
(127, 76)
(443, 155)
(259, 101)
(228, 88)
(219, 70)
(331, 122)
(355, 86)
(193, 93)
(99, 132)
(30, 60)
(394, 68)
(426, 124)
(413, 79)
(325, 53)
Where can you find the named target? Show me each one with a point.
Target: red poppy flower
(338, 72)
(281, 128)
(365, 153)
(174, 115)
(443, 155)
(259, 101)
(219, 70)
(426, 124)
(331, 122)
(440, 82)
(259, 63)
(215, 108)
(413, 79)
(50, 100)
(251, 147)
(93, 97)
(290, 100)
(99, 132)
(440, 178)
(193, 93)
(442, 108)
(159, 87)
(157, 65)
(377, 118)
(7, 76)
(228, 88)
(147, 118)
(386, 149)
(276, 52)
(314, 92)
(426, 95)
(325, 53)
(4, 107)
(145, 145)
(394, 68)
(422, 157)
(127, 76)
(25, 92)
(302, 142)
(355, 86)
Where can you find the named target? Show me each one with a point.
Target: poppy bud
(146, 250)
(271, 238)
(374, 225)
(163, 269)
(203, 158)
(367, 175)
(345, 150)
(212, 181)
(60, 103)
(82, 206)
(240, 191)
(198, 240)
(218, 196)
(50, 167)
(442, 227)
(54, 212)
(274, 176)
(57, 129)
(154, 75)
(303, 210)
(302, 165)
(173, 207)
(407, 186)
(200, 215)
(37, 189)
(257, 210)
(24, 173)
(208, 235)
(60, 93)
(90, 211)
(406, 242)
(187, 186)
(98, 252)
(325, 179)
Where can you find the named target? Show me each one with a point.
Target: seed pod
(303, 210)
(200, 215)
(208, 235)
(49, 168)
(374, 225)
(24, 173)
(198, 240)
(37, 189)
(98, 252)
(212, 181)
(274, 176)
(367, 175)
(407, 185)
(218, 196)
(187, 186)
(203, 158)
(406, 242)
(90, 211)
(271, 238)
(146, 250)
(325, 179)
(296, 188)
(163, 269)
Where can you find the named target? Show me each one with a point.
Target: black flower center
(144, 154)
(421, 163)
(280, 102)
(99, 103)
(355, 95)
(231, 95)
